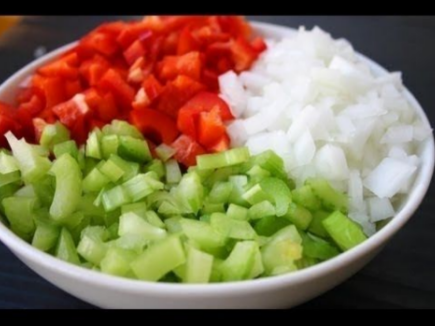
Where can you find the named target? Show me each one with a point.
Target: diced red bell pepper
(221, 145)
(59, 68)
(176, 93)
(80, 130)
(186, 150)
(156, 125)
(94, 123)
(188, 115)
(210, 127)
(207, 35)
(210, 79)
(235, 25)
(93, 69)
(189, 64)
(132, 32)
(186, 42)
(72, 87)
(124, 94)
(135, 51)
(152, 88)
(258, 44)
(33, 106)
(170, 43)
(107, 109)
(53, 89)
(71, 111)
(7, 124)
(112, 28)
(101, 42)
(38, 127)
(243, 54)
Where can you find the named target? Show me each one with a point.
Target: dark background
(402, 276)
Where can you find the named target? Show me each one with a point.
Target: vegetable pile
(145, 72)
(110, 206)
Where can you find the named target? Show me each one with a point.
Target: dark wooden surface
(402, 276)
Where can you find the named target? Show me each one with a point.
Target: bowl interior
(407, 206)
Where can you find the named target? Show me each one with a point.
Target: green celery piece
(213, 176)
(157, 167)
(173, 224)
(280, 193)
(237, 212)
(32, 164)
(134, 150)
(132, 242)
(141, 186)
(154, 219)
(238, 183)
(165, 152)
(198, 266)
(7, 191)
(10, 177)
(306, 262)
(239, 264)
(173, 172)
(20, 213)
(95, 232)
(87, 207)
(159, 259)
(268, 225)
(66, 249)
(317, 248)
(8, 163)
(216, 274)
(95, 181)
(131, 169)
(109, 145)
(256, 195)
(130, 223)
(114, 198)
(54, 134)
(258, 173)
(210, 208)
(288, 232)
(202, 233)
(316, 226)
(92, 249)
(345, 232)
(89, 163)
(45, 189)
(122, 128)
(190, 193)
(111, 217)
(260, 210)
(279, 256)
(68, 187)
(299, 216)
(117, 261)
(111, 170)
(269, 161)
(220, 193)
(234, 229)
(168, 208)
(81, 159)
(258, 266)
(139, 208)
(93, 146)
(223, 159)
(45, 236)
(26, 191)
(331, 199)
(113, 230)
(68, 146)
(304, 196)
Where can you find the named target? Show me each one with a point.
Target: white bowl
(282, 291)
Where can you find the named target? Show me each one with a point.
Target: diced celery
(279, 256)
(111, 217)
(45, 236)
(95, 232)
(92, 249)
(66, 249)
(222, 174)
(131, 169)
(154, 219)
(314, 247)
(137, 208)
(10, 177)
(164, 152)
(258, 173)
(113, 230)
(220, 193)
(130, 223)
(237, 212)
(299, 216)
(93, 146)
(258, 267)
(260, 210)
(210, 208)
(68, 187)
(269, 161)
(115, 198)
(202, 233)
(198, 266)
(218, 160)
(8, 163)
(268, 225)
(133, 149)
(316, 226)
(238, 266)
(132, 242)
(216, 274)
(26, 191)
(190, 193)
(168, 208)
(89, 163)
(68, 146)
(304, 196)
(95, 181)
(238, 184)
(141, 186)
(122, 128)
(20, 213)
(289, 232)
(87, 207)
(111, 170)
(157, 167)
(305, 262)
(231, 228)
(173, 172)
(109, 145)
(345, 232)
(117, 261)
(255, 195)
(331, 198)
(159, 259)
(54, 134)
(32, 164)
(279, 192)
(173, 224)
(7, 191)
(44, 189)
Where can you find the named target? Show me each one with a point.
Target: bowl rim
(415, 197)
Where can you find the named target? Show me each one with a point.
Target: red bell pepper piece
(135, 51)
(186, 150)
(189, 64)
(123, 93)
(210, 127)
(72, 110)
